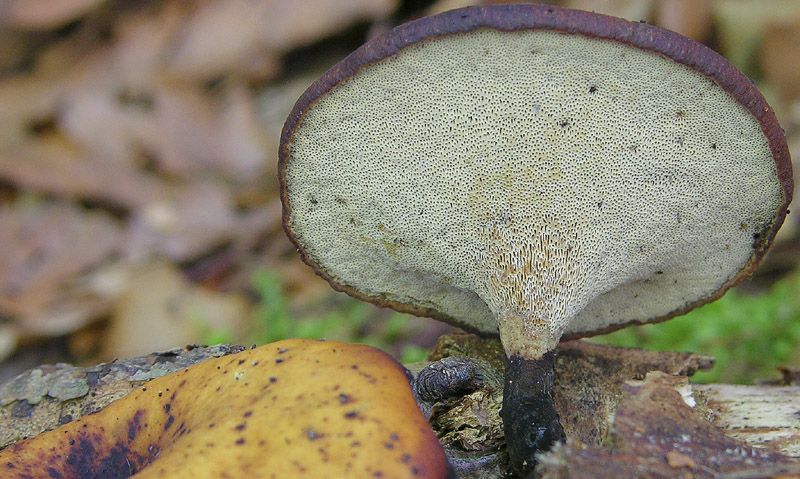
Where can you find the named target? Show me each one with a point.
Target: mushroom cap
(612, 172)
(294, 408)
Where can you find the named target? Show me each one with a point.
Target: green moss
(340, 318)
(749, 334)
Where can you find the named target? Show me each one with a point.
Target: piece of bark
(761, 416)
(633, 428)
(46, 397)
(657, 433)
(588, 387)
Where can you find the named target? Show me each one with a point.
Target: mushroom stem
(536, 284)
(530, 419)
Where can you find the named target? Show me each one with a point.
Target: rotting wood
(604, 395)
(46, 397)
(761, 416)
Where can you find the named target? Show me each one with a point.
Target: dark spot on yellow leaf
(134, 425)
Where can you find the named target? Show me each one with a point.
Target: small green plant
(343, 319)
(748, 334)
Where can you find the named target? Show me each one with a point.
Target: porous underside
(611, 184)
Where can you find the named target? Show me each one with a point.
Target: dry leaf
(161, 309)
(8, 340)
(232, 35)
(633, 10)
(780, 58)
(184, 225)
(45, 245)
(43, 14)
(740, 26)
(143, 42)
(445, 5)
(220, 37)
(24, 101)
(690, 18)
(191, 132)
(55, 165)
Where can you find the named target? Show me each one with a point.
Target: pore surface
(412, 180)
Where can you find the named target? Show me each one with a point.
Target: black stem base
(529, 417)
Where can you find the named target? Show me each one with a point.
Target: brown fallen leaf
(161, 308)
(780, 57)
(46, 245)
(740, 26)
(190, 132)
(53, 164)
(183, 224)
(690, 18)
(43, 14)
(8, 340)
(232, 35)
(633, 10)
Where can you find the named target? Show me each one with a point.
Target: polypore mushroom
(535, 172)
(295, 408)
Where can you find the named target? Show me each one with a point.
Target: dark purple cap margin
(517, 17)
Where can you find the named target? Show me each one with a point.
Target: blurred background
(138, 192)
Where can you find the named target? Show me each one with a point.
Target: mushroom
(534, 172)
(295, 408)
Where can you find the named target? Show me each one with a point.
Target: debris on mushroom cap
(295, 408)
(556, 171)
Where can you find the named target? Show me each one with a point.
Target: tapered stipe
(529, 417)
